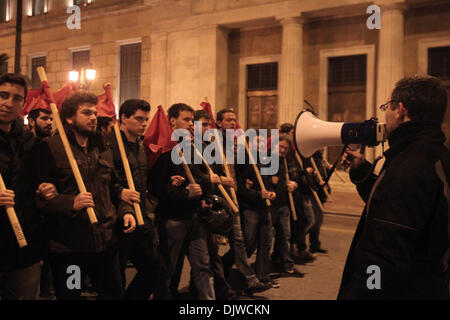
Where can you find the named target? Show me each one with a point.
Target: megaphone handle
(333, 168)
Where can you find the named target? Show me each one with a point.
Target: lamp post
(83, 78)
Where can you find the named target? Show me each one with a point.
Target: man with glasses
(401, 246)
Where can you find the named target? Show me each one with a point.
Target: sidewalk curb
(337, 213)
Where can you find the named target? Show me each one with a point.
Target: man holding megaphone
(404, 229)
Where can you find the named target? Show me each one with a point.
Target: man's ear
(172, 122)
(69, 120)
(31, 122)
(402, 113)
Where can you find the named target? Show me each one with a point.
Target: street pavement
(322, 276)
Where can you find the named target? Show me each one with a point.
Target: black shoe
(258, 286)
(294, 272)
(319, 250)
(305, 256)
(272, 282)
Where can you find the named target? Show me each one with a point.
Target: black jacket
(173, 202)
(250, 198)
(69, 230)
(16, 167)
(404, 228)
(137, 159)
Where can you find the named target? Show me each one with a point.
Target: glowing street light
(83, 78)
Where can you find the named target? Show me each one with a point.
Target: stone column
(290, 96)
(390, 53)
(158, 71)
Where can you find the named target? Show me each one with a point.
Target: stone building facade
(321, 51)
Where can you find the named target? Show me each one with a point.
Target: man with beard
(19, 267)
(74, 241)
(40, 122)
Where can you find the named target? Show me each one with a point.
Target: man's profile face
(85, 119)
(185, 120)
(228, 121)
(43, 124)
(12, 98)
(283, 148)
(137, 123)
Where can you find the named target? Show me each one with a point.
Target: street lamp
(83, 78)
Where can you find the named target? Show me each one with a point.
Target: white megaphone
(311, 133)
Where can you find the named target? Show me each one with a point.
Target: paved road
(323, 276)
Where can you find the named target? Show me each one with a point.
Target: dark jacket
(404, 228)
(69, 230)
(137, 160)
(277, 184)
(17, 172)
(173, 202)
(250, 198)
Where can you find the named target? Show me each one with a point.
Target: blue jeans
(258, 235)
(307, 221)
(281, 222)
(21, 284)
(172, 238)
(238, 252)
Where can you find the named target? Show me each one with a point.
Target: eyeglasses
(384, 106)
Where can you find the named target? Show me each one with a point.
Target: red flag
(157, 136)
(206, 106)
(37, 98)
(105, 106)
(63, 93)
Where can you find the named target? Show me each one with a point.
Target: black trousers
(102, 268)
(141, 248)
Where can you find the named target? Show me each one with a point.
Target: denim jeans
(172, 239)
(314, 242)
(258, 235)
(281, 222)
(21, 284)
(307, 221)
(238, 252)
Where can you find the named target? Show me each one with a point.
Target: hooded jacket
(404, 229)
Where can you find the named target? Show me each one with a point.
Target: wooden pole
(257, 173)
(126, 166)
(65, 141)
(316, 196)
(319, 176)
(221, 188)
(291, 198)
(225, 167)
(15, 224)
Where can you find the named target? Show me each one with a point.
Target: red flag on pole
(157, 137)
(37, 98)
(206, 106)
(105, 106)
(63, 93)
